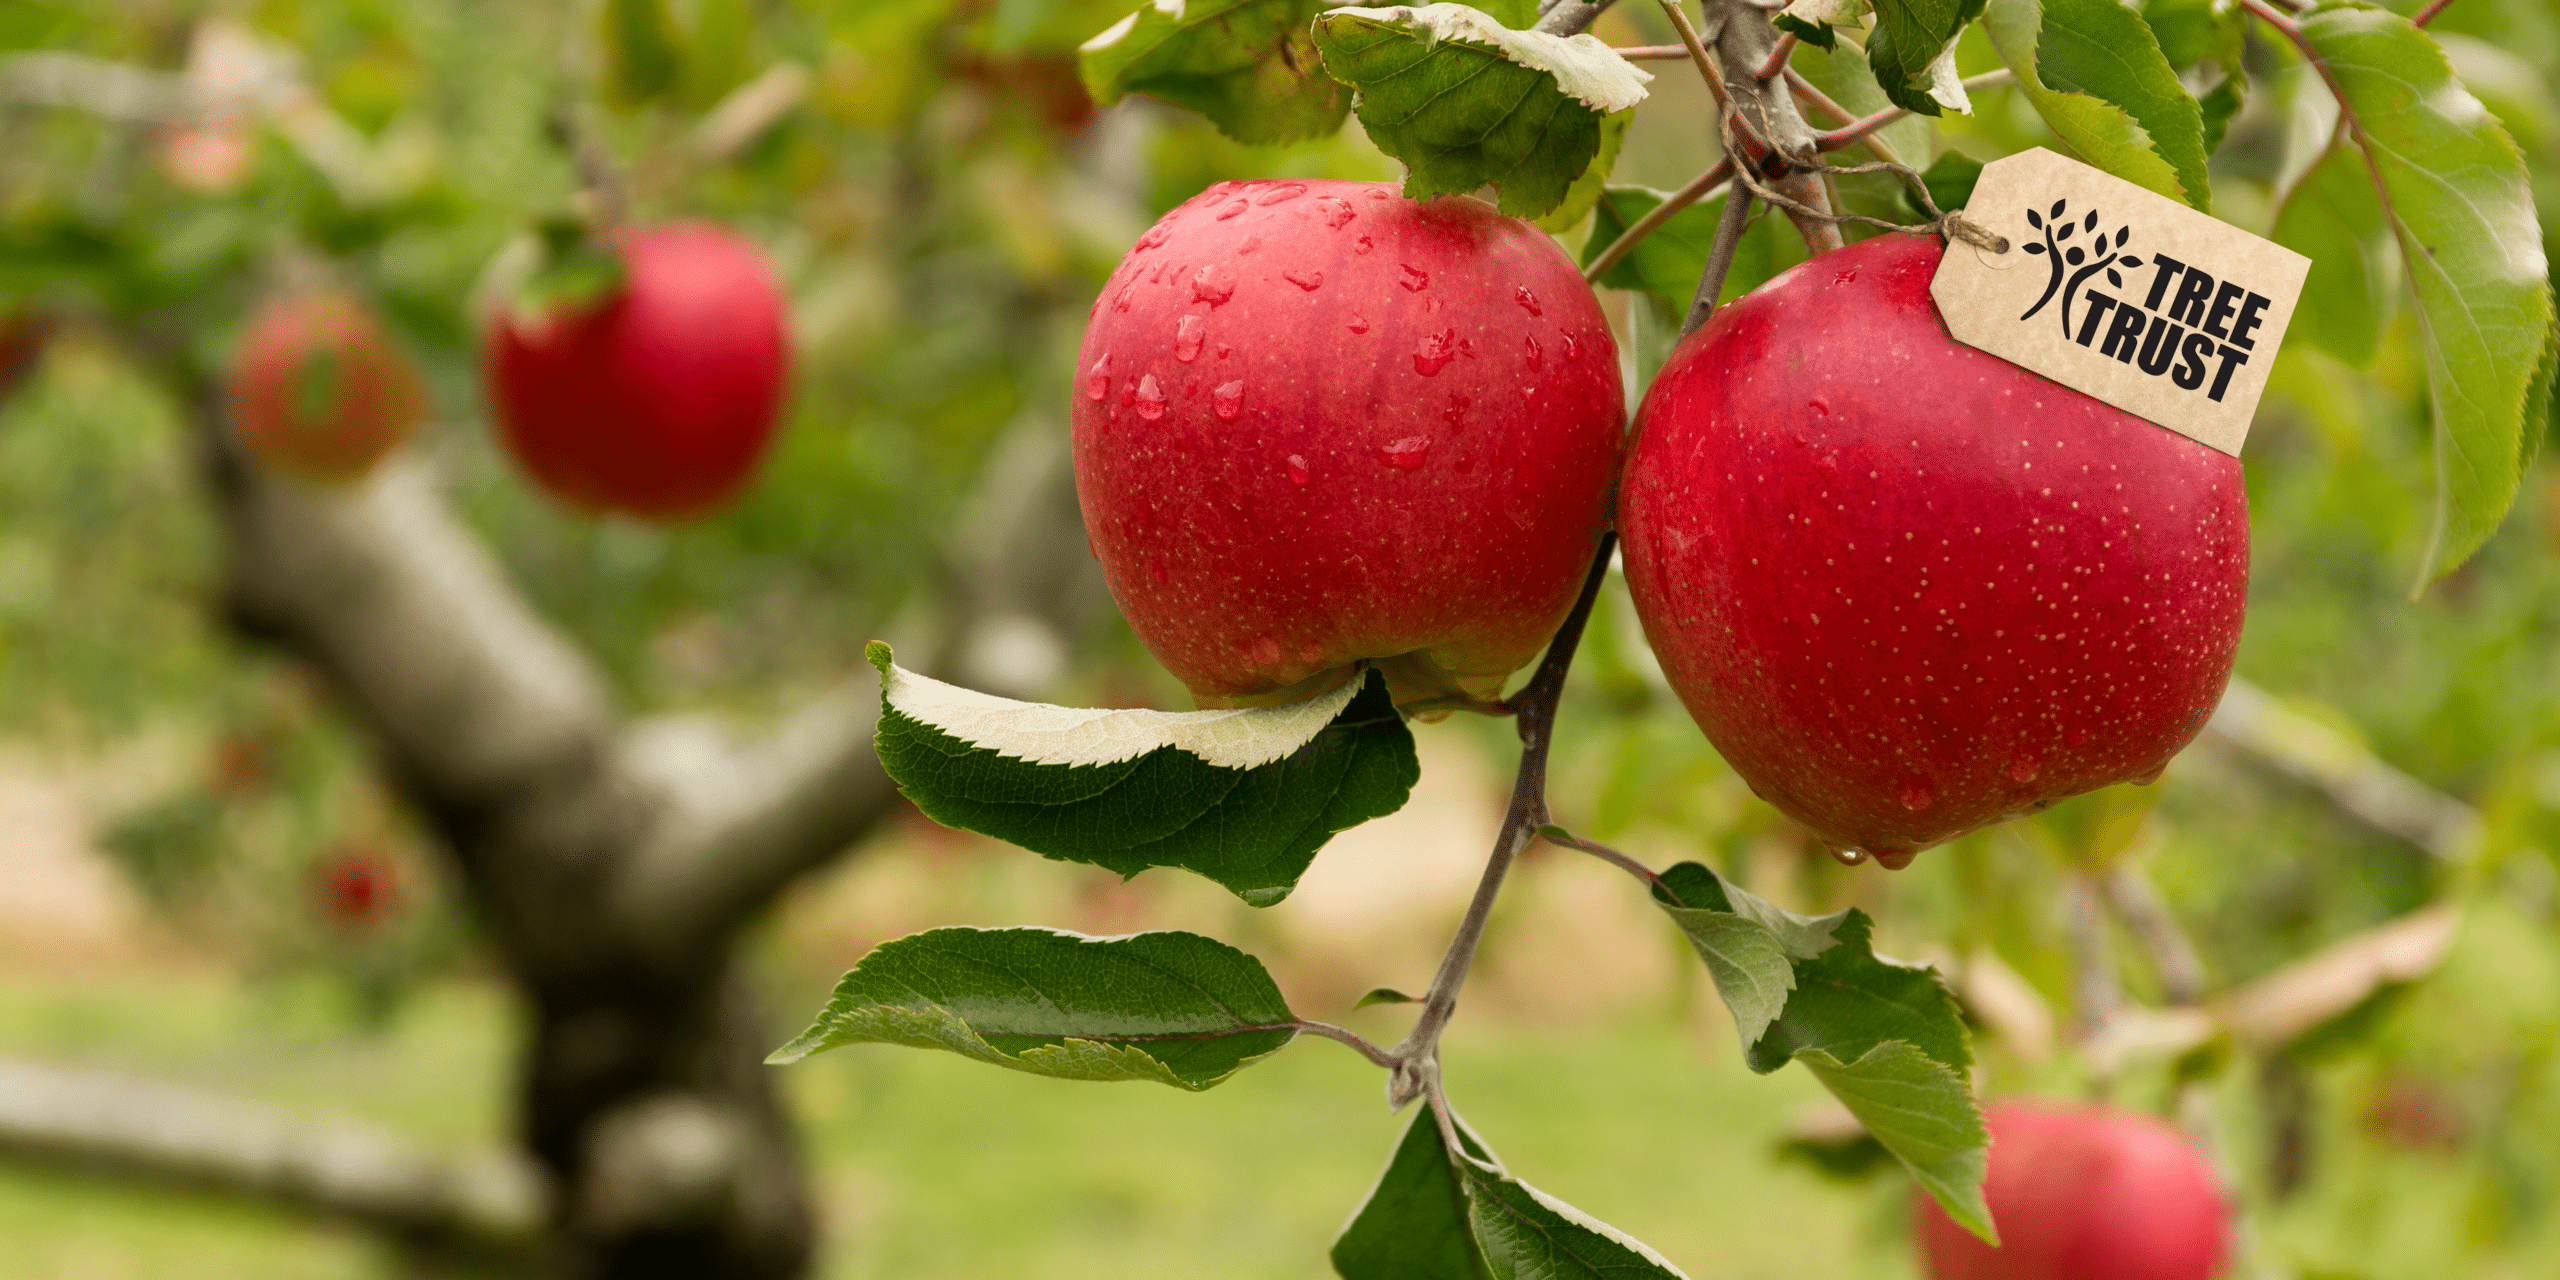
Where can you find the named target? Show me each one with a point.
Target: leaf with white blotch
(2334, 218)
(1912, 51)
(1248, 65)
(2099, 132)
(2457, 193)
(1245, 797)
(1171, 1007)
(1586, 189)
(1750, 946)
(1435, 1217)
(1812, 21)
(1466, 102)
(1924, 1114)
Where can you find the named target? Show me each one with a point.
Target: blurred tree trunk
(613, 865)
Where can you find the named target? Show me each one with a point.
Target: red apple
(1316, 422)
(319, 391)
(2085, 1193)
(1908, 588)
(358, 885)
(658, 399)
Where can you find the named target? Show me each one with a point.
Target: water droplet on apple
(1266, 651)
(1335, 211)
(1213, 284)
(1456, 413)
(2148, 778)
(1413, 278)
(1298, 473)
(1284, 192)
(1848, 276)
(1845, 855)
(1128, 393)
(1572, 349)
(1527, 300)
(1231, 210)
(1227, 400)
(1156, 235)
(1893, 858)
(1363, 246)
(2079, 734)
(1821, 409)
(1405, 454)
(1097, 380)
(1252, 243)
(2023, 767)
(1150, 398)
(1156, 567)
(1359, 324)
(1188, 333)
(1435, 353)
(1466, 463)
(1307, 280)
(1536, 356)
(1918, 794)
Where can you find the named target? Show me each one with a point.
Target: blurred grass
(932, 1167)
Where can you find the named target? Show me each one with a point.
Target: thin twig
(1571, 17)
(1822, 102)
(1368, 1048)
(2147, 916)
(1707, 69)
(1653, 52)
(1778, 56)
(1698, 189)
(1737, 211)
(1857, 130)
(1416, 1057)
(2429, 13)
(1564, 839)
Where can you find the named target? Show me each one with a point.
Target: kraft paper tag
(2161, 311)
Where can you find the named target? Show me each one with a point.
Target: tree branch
(1571, 17)
(1857, 131)
(489, 1205)
(2351, 776)
(1698, 188)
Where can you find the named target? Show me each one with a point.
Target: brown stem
(2429, 13)
(1857, 131)
(1778, 57)
(1653, 52)
(1697, 189)
(1737, 213)
(1416, 1057)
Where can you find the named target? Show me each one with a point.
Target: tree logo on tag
(2099, 255)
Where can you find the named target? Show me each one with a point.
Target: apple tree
(758, 301)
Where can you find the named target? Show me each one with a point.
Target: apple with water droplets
(658, 398)
(1317, 423)
(319, 391)
(1908, 588)
(2085, 1193)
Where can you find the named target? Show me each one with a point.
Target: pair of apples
(656, 399)
(1907, 588)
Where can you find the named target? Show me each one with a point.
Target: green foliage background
(942, 207)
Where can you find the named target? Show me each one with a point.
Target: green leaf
(1844, 75)
(1815, 22)
(1585, 190)
(2457, 193)
(643, 60)
(2334, 218)
(1848, 1001)
(2190, 31)
(1668, 262)
(2219, 105)
(1922, 1112)
(1244, 797)
(1912, 51)
(1413, 1225)
(1750, 946)
(2541, 409)
(1465, 102)
(1175, 1008)
(2106, 51)
(2100, 133)
(1384, 995)
(1434, 1217)
(1250, 66)
(1950, 179)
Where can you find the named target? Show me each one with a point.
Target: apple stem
(1737, 215)
(1415, 1058)
(1567, 840)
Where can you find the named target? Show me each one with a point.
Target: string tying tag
(1955, 226)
